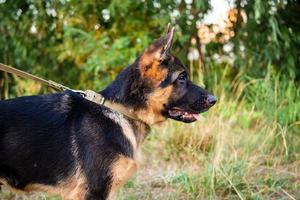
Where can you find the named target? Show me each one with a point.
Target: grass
(246, 147)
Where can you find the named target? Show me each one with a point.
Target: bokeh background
(247, 52)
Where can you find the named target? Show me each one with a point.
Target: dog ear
(167, 41)
(168, 29)
(160, 49)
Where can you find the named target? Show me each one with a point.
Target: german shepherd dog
(65, 145)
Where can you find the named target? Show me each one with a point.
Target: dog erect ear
(154, 55)
(167, 41)
(160, 49)
(168, 29)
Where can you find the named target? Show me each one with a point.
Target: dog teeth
(175, 113)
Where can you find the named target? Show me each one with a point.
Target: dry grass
(233, 152)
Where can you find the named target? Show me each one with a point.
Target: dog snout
(211, 100)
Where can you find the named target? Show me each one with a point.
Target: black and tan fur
(66, 145)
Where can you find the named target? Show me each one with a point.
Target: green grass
(239, 150)
(246, 147)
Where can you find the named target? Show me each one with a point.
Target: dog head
(168, 92)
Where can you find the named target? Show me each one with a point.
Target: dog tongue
(196, 116)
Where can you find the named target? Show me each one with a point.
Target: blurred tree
(84, 44)
(270, 36)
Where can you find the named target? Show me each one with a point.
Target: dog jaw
(156, 101)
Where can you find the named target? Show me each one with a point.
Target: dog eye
(182, 77)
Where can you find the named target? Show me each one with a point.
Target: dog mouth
(180, 114)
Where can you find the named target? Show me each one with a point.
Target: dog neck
(127, 91)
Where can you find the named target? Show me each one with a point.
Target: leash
(23, 74)
(88, 94)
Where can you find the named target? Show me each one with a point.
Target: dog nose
(211, 100)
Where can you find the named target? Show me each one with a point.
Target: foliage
(270, 35)
(86, 44)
